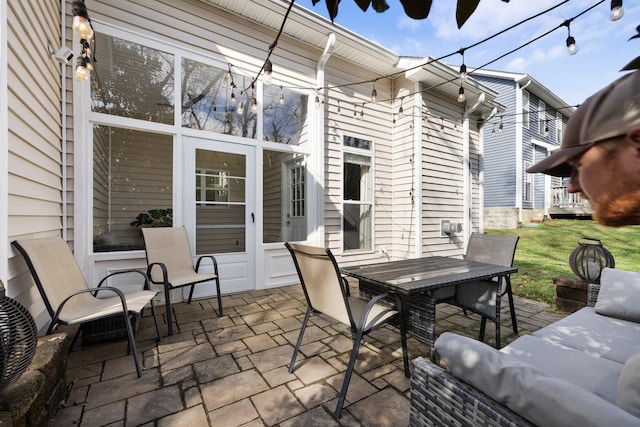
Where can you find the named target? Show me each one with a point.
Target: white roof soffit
(444, 79)
(535, 87)
(313, 29)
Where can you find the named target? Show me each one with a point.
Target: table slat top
(425, 274)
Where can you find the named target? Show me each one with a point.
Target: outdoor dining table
(417, 280)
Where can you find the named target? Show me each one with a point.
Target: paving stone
(191, 417)
(260, 342)
(289, 324)
(230, 347)
(232, 388)
(185, 356)
(273, 358)
(313, 369)
(387, 408)
(318, 417)
(276, 405)
(153, 405)
(233, 333)
(219, 367)
(235, 414)
(315, 394)
(277, 376)
(105, 414)
(120, 388)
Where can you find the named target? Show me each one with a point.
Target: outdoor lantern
(18, 339)
(589, 259)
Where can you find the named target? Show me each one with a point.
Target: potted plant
(154, 218)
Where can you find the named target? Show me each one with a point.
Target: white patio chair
(170, 264)
(326, 292)
(482, 297)
(67, 297)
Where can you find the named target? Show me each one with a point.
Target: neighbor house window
(528, 183)
(525, 109)
(357, 204)
(542, 118)
(559, 128)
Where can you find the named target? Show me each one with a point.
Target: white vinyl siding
(34, 137)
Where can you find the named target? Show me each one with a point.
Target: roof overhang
(312, 29)
(443, 78)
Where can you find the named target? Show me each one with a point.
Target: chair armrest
(213, 260)
(144, 276)
(439, 398)
(592, 297)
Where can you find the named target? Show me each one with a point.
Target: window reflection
(132, 186)
(132, 80)
(285, 115)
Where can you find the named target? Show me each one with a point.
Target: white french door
(219, 209)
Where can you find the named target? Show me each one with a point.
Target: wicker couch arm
(439, 398)
(592, 297)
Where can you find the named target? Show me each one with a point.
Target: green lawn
(543, 252)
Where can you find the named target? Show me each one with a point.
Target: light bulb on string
(374, 93)
(571, 42)
(254, 106)
(501, 127)
(616, 10)
(240, 109)
(82, 73)
(233, 97)
(461, 97)
(401, 110)
(81, 22)
(268, 70)
(281, 101)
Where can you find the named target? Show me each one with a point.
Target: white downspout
(466, 181)
(519, 148)
(317, 162)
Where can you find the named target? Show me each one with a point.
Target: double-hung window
(357, 203)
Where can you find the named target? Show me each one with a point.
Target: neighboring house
(531, 126)
(309, 157)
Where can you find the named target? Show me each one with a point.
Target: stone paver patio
(233, 370)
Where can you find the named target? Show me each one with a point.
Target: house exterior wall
(419, 159)
(500, 148)
(511, 196)
(34, 143)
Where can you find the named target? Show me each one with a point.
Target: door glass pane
(132, 80)
(284, 202)
(132, 186)
(220, 202)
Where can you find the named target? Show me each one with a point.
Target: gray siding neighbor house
(527, 131)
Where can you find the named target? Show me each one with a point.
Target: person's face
(608, 175)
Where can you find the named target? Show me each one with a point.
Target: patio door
(219, 209)
(295, 218)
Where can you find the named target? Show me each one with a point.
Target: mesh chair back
(320, 279)
(56, 272)
(170, 246)
(499, 250)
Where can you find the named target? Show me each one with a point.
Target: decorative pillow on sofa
(629, 385)
(524, 389)
(619, 294)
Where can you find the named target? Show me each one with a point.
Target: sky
(603, 45)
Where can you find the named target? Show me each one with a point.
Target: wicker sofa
(583, 370)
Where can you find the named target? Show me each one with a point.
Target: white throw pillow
(619, 294)
(629, 385)
(543, 400)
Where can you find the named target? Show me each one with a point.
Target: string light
(82, 72)
(616, 10)
(81, 22)
(268, 69)
(401, 110)
(571, 42)
(254, 105)
(374, 93)
(463, 69)
(461, 97)
(501, 127)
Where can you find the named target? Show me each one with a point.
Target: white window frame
(542, 117)
(368, 201)
(526, 101)
(559, 128)
(527, 193)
